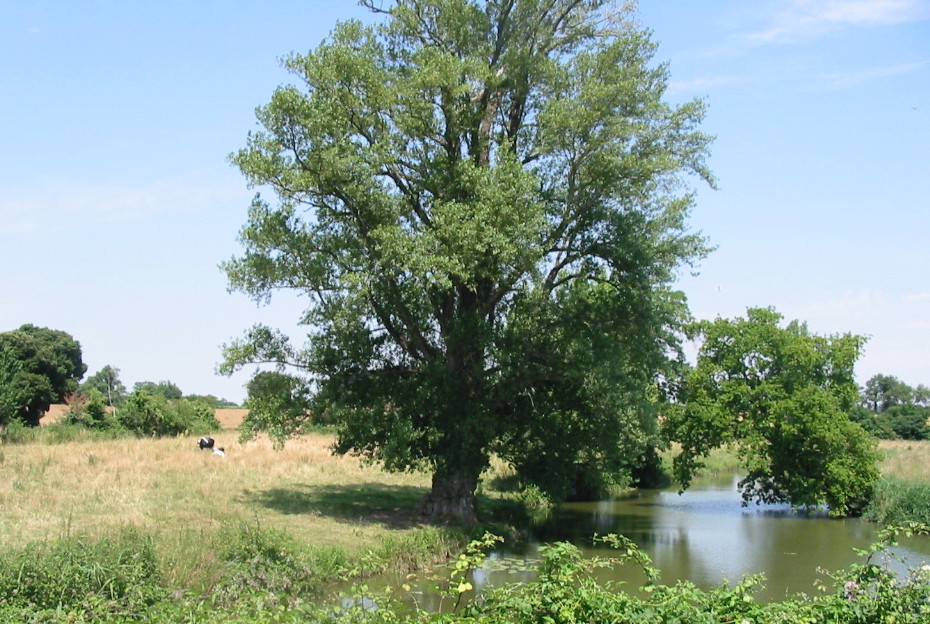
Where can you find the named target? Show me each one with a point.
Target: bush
(272, 563)
(90, 410)
(909, 422)
(112, 576)
(16, 432)
(897, 502)
(147, 414)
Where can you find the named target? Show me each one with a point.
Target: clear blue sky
(117, 202)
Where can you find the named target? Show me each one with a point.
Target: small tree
(106, 381)
(783, 396)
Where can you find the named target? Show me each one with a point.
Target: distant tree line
(891, 409)
(41, 366)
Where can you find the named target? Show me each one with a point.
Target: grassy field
(906, 460)
(234, 532)
(186, 498)
(189, 499)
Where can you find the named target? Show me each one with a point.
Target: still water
(705, 536)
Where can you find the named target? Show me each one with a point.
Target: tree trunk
(452, 497)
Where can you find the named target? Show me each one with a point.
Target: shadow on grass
(393, 506)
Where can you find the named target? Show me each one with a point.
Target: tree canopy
(38, 367)
(106, 381)
(783, 397)
(485, 203)
(882, 392)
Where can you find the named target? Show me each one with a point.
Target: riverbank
(247, 534)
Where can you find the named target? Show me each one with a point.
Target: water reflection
(704, 536)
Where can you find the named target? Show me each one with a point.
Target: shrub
(909, 422)
(16, 432)
(567, 591)
(111, 576)
(90, 410)
(272, 563)
(897, 502)
(152, 415)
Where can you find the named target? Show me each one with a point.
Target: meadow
(192, 502)
(255, 530)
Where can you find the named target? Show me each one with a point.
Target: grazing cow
(205, 443)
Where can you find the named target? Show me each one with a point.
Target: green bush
(16, 432)
(272, 563)
(897, 502)
(90, 410)
(146, 414)
(909, 422)
(106, 577)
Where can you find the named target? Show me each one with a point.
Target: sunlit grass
(906, 460)
(186, 497)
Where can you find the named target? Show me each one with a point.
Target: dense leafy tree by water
(38, 367)
(783, 395)
(482, 201)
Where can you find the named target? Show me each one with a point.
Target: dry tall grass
(185, 496)
(905, 459)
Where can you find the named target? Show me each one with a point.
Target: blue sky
(117, 202)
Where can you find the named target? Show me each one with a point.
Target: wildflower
(851, 588)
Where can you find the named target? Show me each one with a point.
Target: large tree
(783, 397)
(38, 367)
(485, 204)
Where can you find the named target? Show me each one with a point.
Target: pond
(704, 535)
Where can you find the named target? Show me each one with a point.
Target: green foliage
(103, 579)
(146, 414)
(117, 580)
(271, 563)
(909, 422)
(18, 433)
(163, 389)
(884, 391)
(210, 400)
(38, 367)
(781, 396)
(106, 381)
(898, 422)
(483, 204)
(566, 591)
(90, 410)
(897, 502)
(278, 404)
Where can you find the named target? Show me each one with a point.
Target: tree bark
(452, 497)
